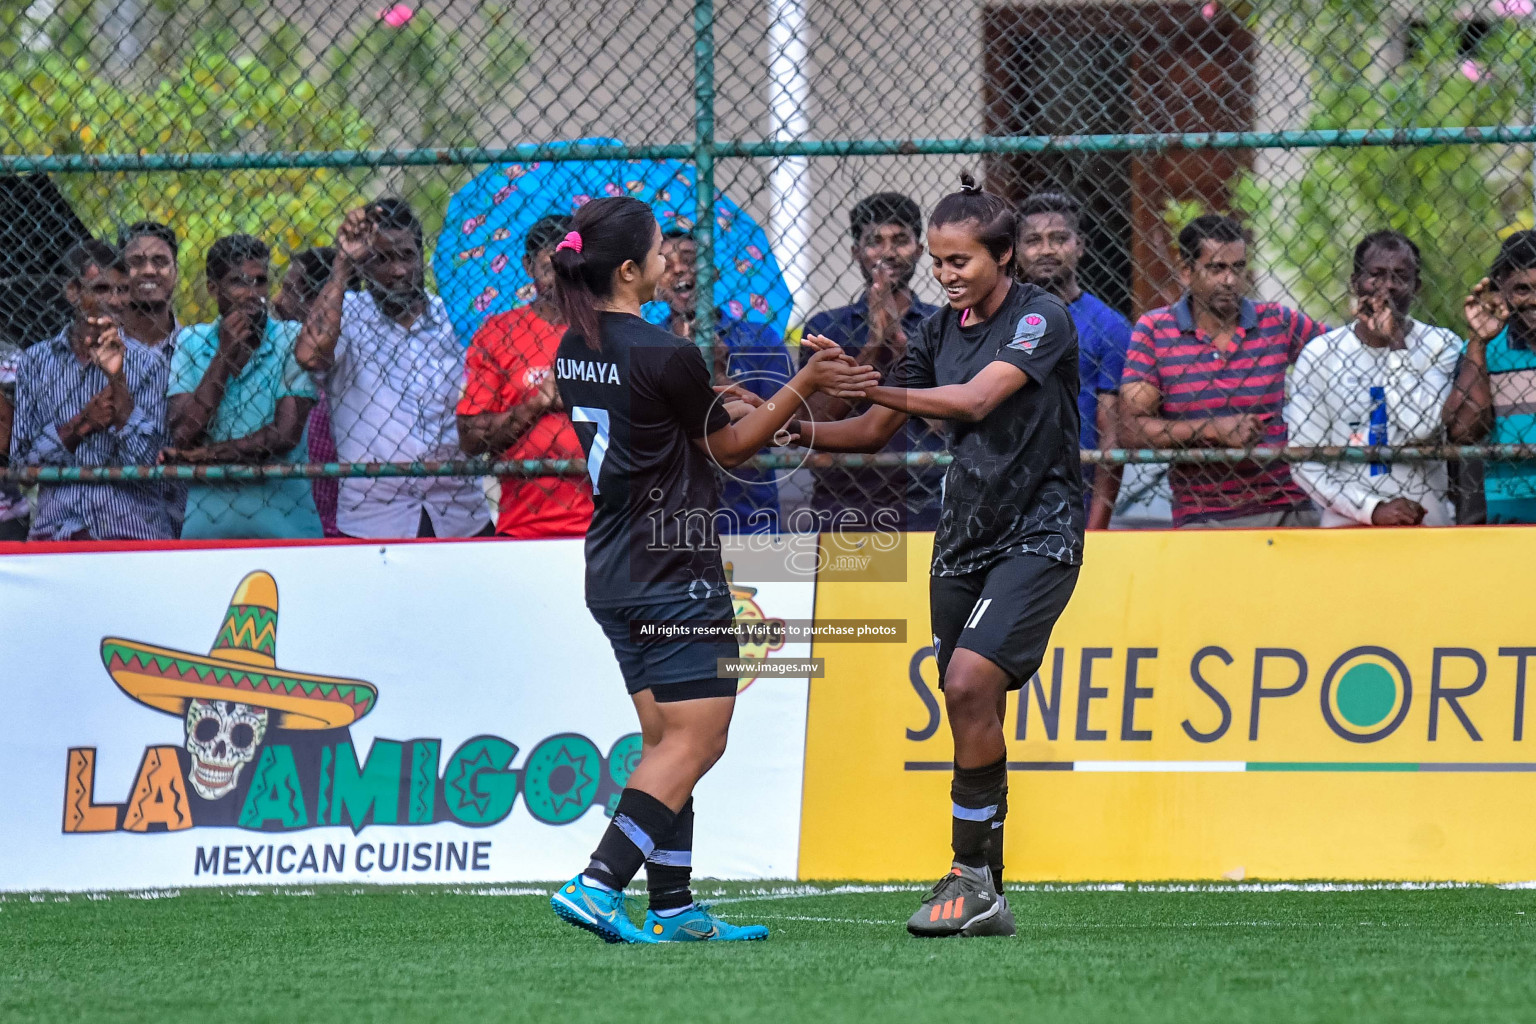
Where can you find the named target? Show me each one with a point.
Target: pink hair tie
(572, 240)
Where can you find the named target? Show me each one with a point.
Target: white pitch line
(1154, 926)
(1180, 767)
(790, 892)
(709, 888)
(1248, 887)
(1242, 887)
(810, 892)
(825, 920)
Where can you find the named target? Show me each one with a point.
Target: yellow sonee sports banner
(1286, 704)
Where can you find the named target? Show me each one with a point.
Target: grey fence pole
(704, 169)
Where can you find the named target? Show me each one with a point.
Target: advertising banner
(367, 713)
(1288, 704)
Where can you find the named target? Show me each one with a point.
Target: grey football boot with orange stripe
(962, 903)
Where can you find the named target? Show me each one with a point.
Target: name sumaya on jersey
(591, 370)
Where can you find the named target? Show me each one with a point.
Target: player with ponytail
(654, 431)
(1000, 365)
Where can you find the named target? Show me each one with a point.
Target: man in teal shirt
(1498, 373)
(238, 395)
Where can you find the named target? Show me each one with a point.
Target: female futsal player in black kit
(1000, 364)
(651, 426)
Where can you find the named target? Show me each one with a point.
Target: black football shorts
(672, 669)
(1004, 613)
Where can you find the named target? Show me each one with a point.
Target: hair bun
(968, 182)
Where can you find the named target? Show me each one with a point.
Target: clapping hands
(1376, 322)
(1485, 310)
(354, 239)
(106, 346)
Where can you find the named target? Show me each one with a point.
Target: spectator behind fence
(146, 310)
(749, 355)
(238, 395)
(150, 252)
(308, 270)
(1210, 371)
(1050, 246)
(13, 504)
(1499, 373)
(510, 409)
(1385, 379)
(887, 230)
(90, 397)
(393, 371)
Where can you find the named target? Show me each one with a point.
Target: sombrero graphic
(241, 667)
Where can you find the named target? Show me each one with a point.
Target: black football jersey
(637, 402)
(1015, 484)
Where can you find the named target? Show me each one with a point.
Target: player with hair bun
(1000, 365)
(653, 429)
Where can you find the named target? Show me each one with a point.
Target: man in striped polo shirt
(1209, 371)
(89, 396)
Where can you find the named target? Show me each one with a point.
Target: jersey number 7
(599, 448)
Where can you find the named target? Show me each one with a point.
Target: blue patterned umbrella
(478, 258)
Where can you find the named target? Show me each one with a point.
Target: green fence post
(704, 169)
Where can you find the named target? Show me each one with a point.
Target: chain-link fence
(791, 150)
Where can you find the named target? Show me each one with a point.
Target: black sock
(976, 793)
(995, 842)
(669, 868)
(631, 836)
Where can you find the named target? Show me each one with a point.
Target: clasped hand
(830, 370)
(202, 456)
(836, 373)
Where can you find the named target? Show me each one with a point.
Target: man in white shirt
(393, 370)
(1385, 379)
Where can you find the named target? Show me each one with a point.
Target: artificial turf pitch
(342, 953)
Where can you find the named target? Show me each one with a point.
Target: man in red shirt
(510, 408)
(1209, 371)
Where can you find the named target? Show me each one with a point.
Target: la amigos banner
(424, 712)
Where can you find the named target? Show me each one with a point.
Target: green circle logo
(1366, 693)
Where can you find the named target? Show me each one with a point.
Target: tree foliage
(1455, 201)
(230, 76)
(429, 84)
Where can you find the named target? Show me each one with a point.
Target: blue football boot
(697, 924)
(600, 911)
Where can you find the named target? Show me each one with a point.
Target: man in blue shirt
(237, 394)
(89, 396)
(747, 354)
(1050, 248)
(887, 230)
(1498, 375)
